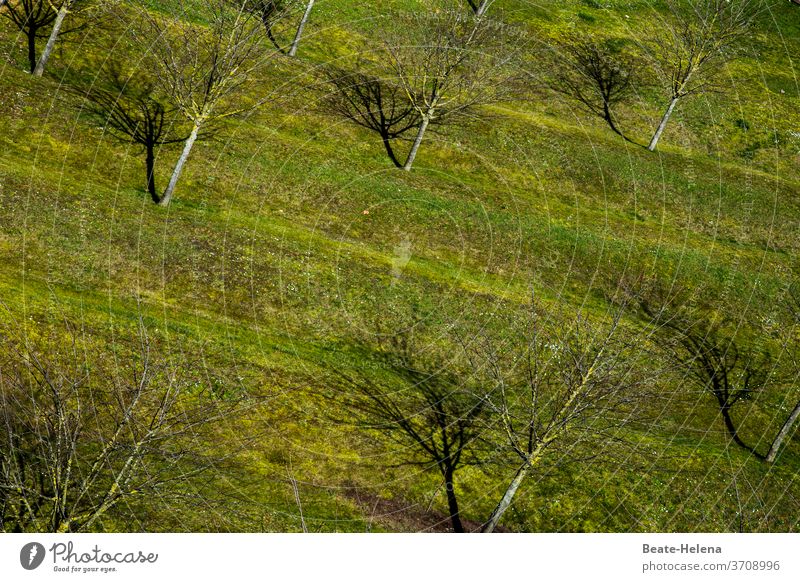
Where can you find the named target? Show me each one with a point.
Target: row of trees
(430, 69)
(197, 76)
(559, 388)
(544, 388)
(34, 17)
(458, 66)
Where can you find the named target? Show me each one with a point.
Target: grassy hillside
(279, 254)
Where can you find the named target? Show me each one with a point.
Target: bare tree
(693, 44)
(557, 386)
(203, 70)
(597, 76)
(77, 443)
(448, 65)
(31, 17)
(134, 111)
(431, 412)
(711, 350)
(371, 102)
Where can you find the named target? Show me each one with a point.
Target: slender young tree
(133, 110)
(692, 45)
(448, 65)
(556, 387)
(78, 442)
(203, 70)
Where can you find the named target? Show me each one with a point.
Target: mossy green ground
(267, 266)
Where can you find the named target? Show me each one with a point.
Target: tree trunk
(176, 174)
(150, 163)
(51, 42)
(31, 32)
(505, 502)
(452, 501)
(783, 433)
(413, 153)
(662, 125)
(300, 27)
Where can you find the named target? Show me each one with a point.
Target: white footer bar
(400, 557)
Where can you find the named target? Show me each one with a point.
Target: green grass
(267, 263)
